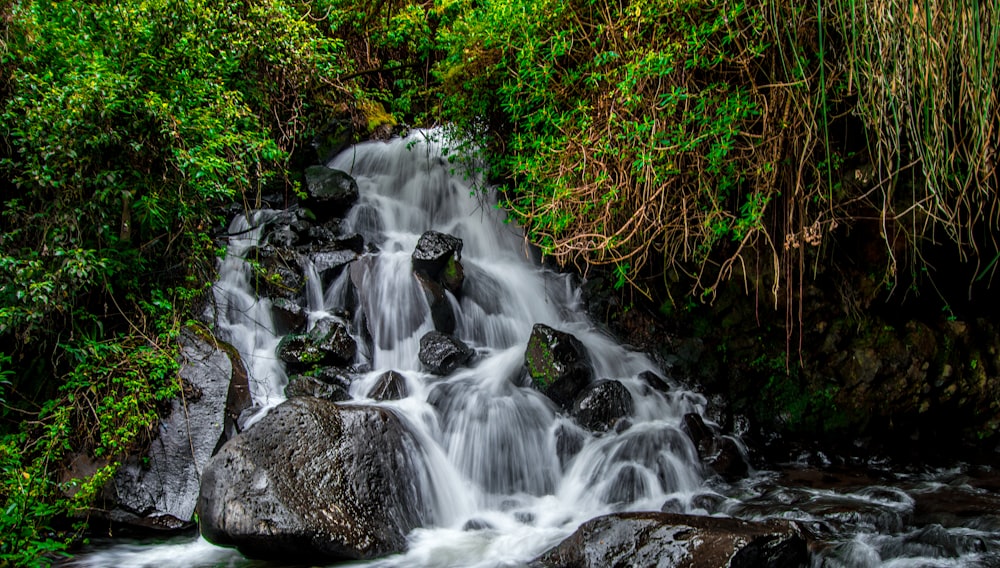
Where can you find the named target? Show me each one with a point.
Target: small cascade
(506, 474)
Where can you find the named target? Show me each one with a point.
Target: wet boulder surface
(314, 481)
(666, 540)
(558, 364)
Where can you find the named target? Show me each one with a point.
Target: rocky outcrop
(277, 272)
(304, 385)
(441, 353)
(601, 405)
(558, 364)
(665, 540)
(314, 482)
(159, 489)
(327, 344)
(721, 453)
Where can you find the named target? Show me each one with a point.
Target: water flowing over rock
(327, 344)
(313, 481)
(665, 540)
(558, 364)
(602, 405)
(442, 353)
(160, 490)
(390, 386)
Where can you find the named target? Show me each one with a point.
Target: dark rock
(160, 488)
(701, 435)
(314, 482)
(669, 540)
(602, 405)
(331, 192)
(304, 385)
(277, 273)
(672, 505)
(558, 364)
(330, 263)
(476, 525)
(569, 442)
(289, 316)
(327, 344)
(710, 502)
(442, 313)
(442, 354)
(282, 237)
(333, 139)
(390, 386)
(628, 486)
(437, 256)
(336, 376)
(729, 461)
(655, 381)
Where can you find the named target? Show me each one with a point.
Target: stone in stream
(438, 268)
(327, 344)
(441, 353)
(390, 386)
(289, 316)
(330, 192)
(159, 488)
(304, 385)
(601, 405)
(665, 540)
(558, 364)
(314, 482)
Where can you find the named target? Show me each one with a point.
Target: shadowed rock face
(558, 364)
(665, 540)
(314, 481)
(160, 490)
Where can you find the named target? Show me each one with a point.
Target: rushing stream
(489, 441)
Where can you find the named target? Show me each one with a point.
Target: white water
(487, 439)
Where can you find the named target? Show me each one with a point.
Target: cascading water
(489, 442)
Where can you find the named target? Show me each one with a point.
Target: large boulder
(314, 482)
(327, 344)
(601, 405)
(665, 540)
(442, 353)
(435, 252)
(558, 364)
(330, 192)
(159, 489)
(277, 272)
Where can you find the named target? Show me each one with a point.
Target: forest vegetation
(682, 144)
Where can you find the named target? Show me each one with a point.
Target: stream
(503, 487)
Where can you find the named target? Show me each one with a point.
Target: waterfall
(498, 483)
(488, 439)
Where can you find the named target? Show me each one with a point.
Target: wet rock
(438, 256)
(569, 442)
(333, 139)
(330, 263)
(390, 386)
(159, 489)
(710, 502)
(314, 482)
(476, 525)
(331, 192)
(442, 313)
(442, 353)
(627, 486)
(327, 344)
(602, 405)
(729, 461)
(669, 540)
(289, 316)
(558, 364)
(655, 381)
(277, 272)
(701, 435)
(304, 385)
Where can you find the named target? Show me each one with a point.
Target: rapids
(489, 440)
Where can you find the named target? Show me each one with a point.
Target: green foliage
(124, 128)
(795, 406)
